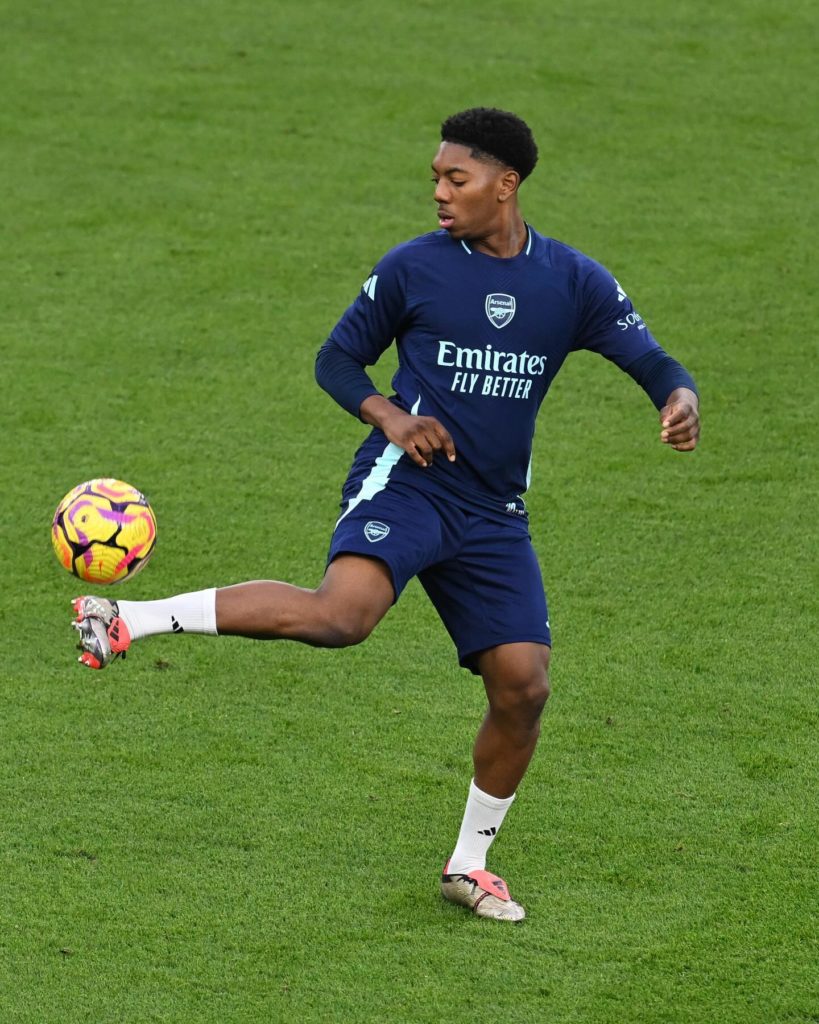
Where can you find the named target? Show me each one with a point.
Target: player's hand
(419, 436)
(680, 420)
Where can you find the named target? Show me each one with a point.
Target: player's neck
(506, 239)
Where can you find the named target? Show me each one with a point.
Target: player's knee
(545, 682)
(522, 690)
(534, 694)
(517, 709)
(532, 683)
(347, 628)
(353, 598)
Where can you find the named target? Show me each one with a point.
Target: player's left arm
(672, 390)
(610, 325)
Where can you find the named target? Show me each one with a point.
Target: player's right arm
(367, 329)
(345, 380)
(419, 436)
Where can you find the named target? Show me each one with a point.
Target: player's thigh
(397, 529)
(355, 594)
(491, 592)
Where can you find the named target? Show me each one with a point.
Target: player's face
(467, 192)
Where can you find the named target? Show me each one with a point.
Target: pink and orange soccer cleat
(483, 893)
(103, 634)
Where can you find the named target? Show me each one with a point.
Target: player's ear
(508, 185)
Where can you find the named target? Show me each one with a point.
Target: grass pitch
(229, 831)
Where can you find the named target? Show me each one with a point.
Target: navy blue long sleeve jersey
(480, 339)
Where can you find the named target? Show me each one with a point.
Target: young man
(484, 311)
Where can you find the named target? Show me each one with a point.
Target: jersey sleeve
(608, 323)
(343, 378)
(658, 374)
(368, 327)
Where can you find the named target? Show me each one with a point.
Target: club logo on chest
(500, 308)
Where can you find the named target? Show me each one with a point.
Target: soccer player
(484, 311)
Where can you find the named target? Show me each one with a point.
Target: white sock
(185, 613)
(482, 819)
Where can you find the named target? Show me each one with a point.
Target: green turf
(223, 831)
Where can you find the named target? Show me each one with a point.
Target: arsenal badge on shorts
(375, 531)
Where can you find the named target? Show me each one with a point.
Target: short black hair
(494, 134)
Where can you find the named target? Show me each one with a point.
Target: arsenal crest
(375, 531)
(500, 308)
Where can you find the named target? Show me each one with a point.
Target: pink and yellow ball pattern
(104, 531)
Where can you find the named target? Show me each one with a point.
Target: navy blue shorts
(482, 576)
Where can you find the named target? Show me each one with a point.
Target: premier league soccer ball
(104, 531)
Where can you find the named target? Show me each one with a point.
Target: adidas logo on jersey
(369, 286)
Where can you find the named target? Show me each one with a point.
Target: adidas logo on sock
(487, 831)
(175, 625)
